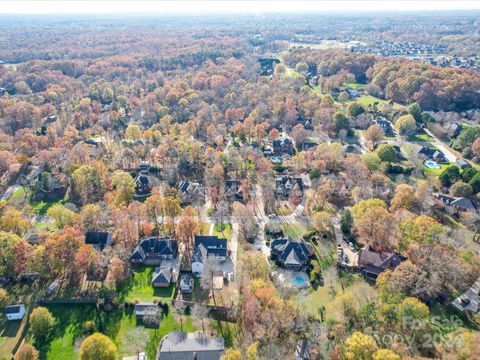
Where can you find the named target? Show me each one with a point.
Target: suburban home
(190, 192)
(162, 277)
(192, 346)
(290, 254)
(2, 91)
(206, 247)
(98, 239)
(143, 186)
(458, 203)
(233, 191)
(144, 168)
(307, 123)
(352, 149)
(462, 164)
(267, 66)
(309, 145)
(186, 283)
(143, 309)
(152, 250)
(15, 312)
(454, 129)
(284, 185)
(283, 146)
(373, 263)
(385, 125)
(433, 154)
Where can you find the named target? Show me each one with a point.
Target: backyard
(139, 287)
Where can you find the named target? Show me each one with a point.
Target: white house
(15, 312)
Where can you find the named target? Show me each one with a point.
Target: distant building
(190, 346)
(190, 192)
(186, 283)
(15, 312)
(98, 239)
(433, 154)
(233, 191)
(385, 125)
(143, 186)
(2, 91)
(144, 167)
(306, 145)
(284, 185)
(458, 203)
(290, 254)
(352, 149)
(462, 164)
(283, 146)
(267, 66)
(151, 251)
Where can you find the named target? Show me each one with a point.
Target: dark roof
(98, 238)
(459, 202)
(283, 181)
(162, 276)
(213, 245)
(290, 252)
(183, 187)
(13, 309)
(352, 149)
(153, 247)
(432, 153)
(375, 262)
(188, 346)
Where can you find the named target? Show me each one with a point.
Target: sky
(226, 6)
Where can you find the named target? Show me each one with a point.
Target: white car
(142, 356)
(350, 245)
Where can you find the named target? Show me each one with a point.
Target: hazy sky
(226, 6)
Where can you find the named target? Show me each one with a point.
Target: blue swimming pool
(432, 164)
(299, 281)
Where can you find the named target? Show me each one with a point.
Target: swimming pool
(299, 281)
(432, 164)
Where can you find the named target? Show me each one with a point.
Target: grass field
(224, 231)
(295, 231)
(120, 325)
(139, 287)
(436, 172)
(356, 86)
(420, 137)
(10, 332)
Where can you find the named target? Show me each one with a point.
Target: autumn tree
(98, 347)
(365, 205)
(187, 227)
(386, 153)
(26, 352)
(406, 125)
(124, 187)
(154, 207)
(404, 198)
(247, 222)
(89, 186)
(133, 133)
(360, 347)
(374, 134)
(374, 228)
(41, 323)
(62, 215)
(3, 298)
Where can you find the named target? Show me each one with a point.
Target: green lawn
(10, 332)
(224, 231)
(436, 172)
(317, 89)
(17, 196)
(120, 325)
(139, 287)
(367, 100)
(295, 231)
(420, 137)
(356, 86)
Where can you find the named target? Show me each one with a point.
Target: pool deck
(288, 277)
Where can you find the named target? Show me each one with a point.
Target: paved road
(441, 146)
(9, 192)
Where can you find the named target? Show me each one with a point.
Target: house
(309, 145)
(3, 91)
(459, 203)
(233, 191)
(206, 247)
(454, 129)
(283, 146)
(373, 263)
(143, 309)
(186, 283)
(290, 254)
(190, 192)
(433, 154)
(267, 66)
(385, 125)
(470, 299)
(284, 185)
(352, 149)
(144, 168)
(143, 186)
(162, 277)
(153, 250)
(15, 312)
(98, 239)
(462, 164)
(190, 346)
(307, 123)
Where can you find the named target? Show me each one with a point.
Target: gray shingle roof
(182, 346)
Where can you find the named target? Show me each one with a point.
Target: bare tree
(248, 224)
(179, 308)
(211, 266)
(153, 318)
(200, 311)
